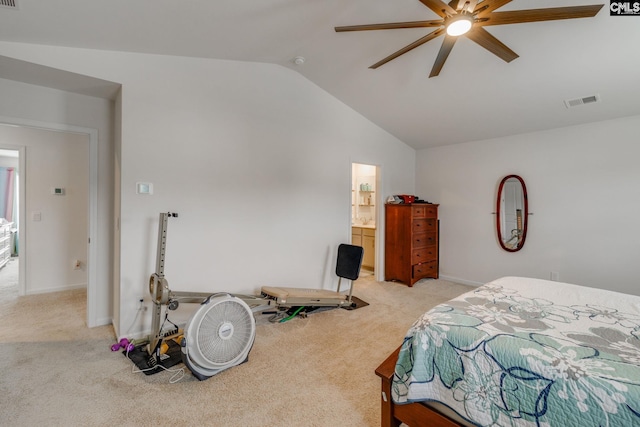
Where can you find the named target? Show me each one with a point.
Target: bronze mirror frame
(521, 234)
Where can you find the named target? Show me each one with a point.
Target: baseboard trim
(461, 281)
(137, 335)
(103, 321)
(56, 289)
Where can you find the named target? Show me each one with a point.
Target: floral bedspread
(527, 352)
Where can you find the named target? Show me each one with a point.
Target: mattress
(527, 352)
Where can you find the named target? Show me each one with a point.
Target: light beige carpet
(317, 371)
(9, 275)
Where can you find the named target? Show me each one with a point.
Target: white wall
(53, 159)
(44, 105)
(254, 158)
(583, 191)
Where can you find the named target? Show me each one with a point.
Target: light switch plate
(144, 188)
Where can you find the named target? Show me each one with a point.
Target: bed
(518, 352)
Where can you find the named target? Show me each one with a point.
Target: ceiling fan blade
(443, 54)
(488, 6)
(536, 15)
(432, 35)
(442, 9)
(492, 44)
(391, 26)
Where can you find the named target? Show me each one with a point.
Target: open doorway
(9, 222)
(55, 251)
(364, 213)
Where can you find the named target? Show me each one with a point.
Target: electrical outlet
(555, 276)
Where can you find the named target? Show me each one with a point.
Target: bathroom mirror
(512, 211)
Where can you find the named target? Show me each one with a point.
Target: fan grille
(224, 332)
(13, 4)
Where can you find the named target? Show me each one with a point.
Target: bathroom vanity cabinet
(365, 237)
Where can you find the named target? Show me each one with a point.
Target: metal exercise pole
(159, 283)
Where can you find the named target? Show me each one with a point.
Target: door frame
(92, 302)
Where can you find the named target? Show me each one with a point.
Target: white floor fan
(220, 334)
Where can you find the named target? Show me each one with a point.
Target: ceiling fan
(468, 18)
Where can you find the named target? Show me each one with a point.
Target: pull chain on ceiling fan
(468, 18)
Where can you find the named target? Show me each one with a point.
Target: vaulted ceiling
(476, 96)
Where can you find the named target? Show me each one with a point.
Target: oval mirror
(512, 211)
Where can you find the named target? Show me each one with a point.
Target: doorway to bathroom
(364, 202)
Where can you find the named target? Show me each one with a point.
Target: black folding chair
(348, 264)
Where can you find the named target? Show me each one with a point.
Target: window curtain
(7, 193)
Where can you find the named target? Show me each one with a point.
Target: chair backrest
(349, 261)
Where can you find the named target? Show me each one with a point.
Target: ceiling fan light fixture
(469, 18)
(459, 24)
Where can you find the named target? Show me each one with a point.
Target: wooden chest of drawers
(411, 242)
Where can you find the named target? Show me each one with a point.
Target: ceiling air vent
(11, 4)
(570, 103)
